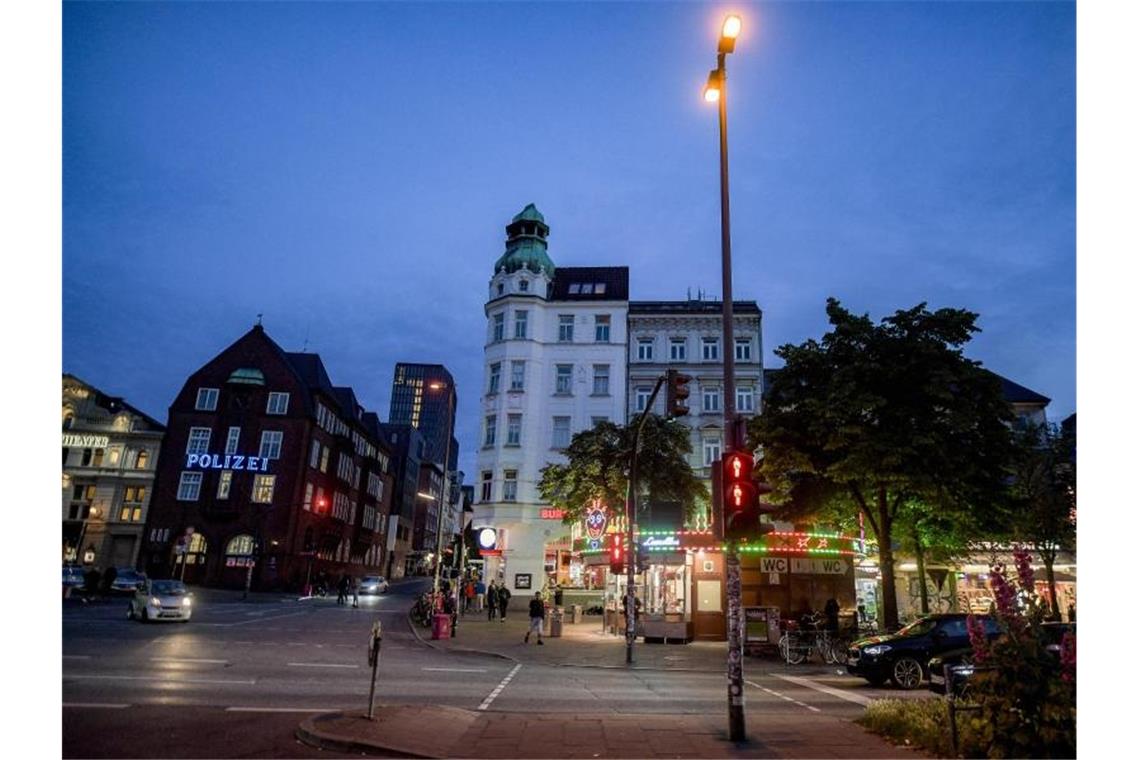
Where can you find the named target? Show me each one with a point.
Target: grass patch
(920, 723)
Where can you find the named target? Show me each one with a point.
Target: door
(709, 609)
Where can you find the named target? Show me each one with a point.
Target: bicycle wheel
(790, 651)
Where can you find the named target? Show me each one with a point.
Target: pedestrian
(1072, 613)
(862, 609)
(342, 589)
(537, 613)
(480, 593)
(504, 597)
(468, 595)
(355, 591)
(492, 601)
(831, 612)
(557, 595)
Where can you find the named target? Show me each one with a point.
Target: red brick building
(267, 465)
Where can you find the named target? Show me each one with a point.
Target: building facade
(110, 452)
(407, 447)
(554, 364)
(269, 476)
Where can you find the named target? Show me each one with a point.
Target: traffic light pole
(630, 518)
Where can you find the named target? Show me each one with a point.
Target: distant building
(110, 451)
(267, 465)
(407, 447)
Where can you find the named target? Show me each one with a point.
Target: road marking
(98, 705)
(320, 665)
(256, 620)
(77, 657)
(502, 685)
(858, 699)
(279, 709)
(189, 659)
(164, 679)
(784, 697)
(456, 670)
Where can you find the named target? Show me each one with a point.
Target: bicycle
(423, 610)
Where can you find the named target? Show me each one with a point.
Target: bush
(920, 723)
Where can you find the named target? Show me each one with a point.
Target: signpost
(374, 637)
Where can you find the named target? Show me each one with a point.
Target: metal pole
(630, 519)
(735, 663)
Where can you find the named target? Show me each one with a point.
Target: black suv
(903, 656)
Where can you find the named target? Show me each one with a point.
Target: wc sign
(775, 567)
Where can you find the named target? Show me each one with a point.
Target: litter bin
(555, 622)
(575, 613)
(441, 626)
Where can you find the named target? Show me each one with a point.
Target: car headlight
(186, 602)
(877, 650)
(154, 602)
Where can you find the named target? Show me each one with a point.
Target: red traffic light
(676, 391)
(617, 558)
(741, 497)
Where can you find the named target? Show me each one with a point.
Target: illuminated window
(142, 459)
(240, 546)
(307, 504)
(263, 489)
(189, 485)
(207, 400)
(224, 480)
(324, 458)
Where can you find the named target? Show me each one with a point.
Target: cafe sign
(227, 462)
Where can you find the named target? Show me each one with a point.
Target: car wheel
(906, 673)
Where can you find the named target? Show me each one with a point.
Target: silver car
(373, 584)
(160, 600)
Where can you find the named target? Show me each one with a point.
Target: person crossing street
(537, 613)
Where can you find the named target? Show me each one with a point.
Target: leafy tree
(1044, 496)
(889, 420)
(598, 464)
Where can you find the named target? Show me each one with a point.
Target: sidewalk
(429, 731)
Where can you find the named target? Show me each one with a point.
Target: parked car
(126, 580)
(903, 657)
(160, 600)
(73, 576)
(373, 584)
(961, 661)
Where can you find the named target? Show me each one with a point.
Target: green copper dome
(526, 243)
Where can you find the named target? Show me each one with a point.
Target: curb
(456, 650)
(320, 740)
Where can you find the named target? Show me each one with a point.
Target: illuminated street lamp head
(436, 385)
(729, 31)
(712, 89)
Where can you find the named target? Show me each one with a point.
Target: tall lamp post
(445, 500)
(716, 92)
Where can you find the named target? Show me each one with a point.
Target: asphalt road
(237, 679)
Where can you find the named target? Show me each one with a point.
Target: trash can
(555, 623)
(575, 613)
(441, 626)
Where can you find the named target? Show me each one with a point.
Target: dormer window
(524, 285)
(500, 288)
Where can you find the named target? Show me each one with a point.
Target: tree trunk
(920, 561)
(1049, 557)
(887, 567)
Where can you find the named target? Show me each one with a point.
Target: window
(575, 288)
(240, 546)
(485, 492)
(224, 481)
(97, 459)
(524, 286)
(497, 327)
(743, 350)
(710, 349)
(315, 454)
(510, 485)
(599, 288)
(493, 385)
(489, 430)
(520, 324)
(189, 486)
(562, 378)
(602, 328)
(500, 288)
(744, 398)
(676, 349)
(207, 400)
(130, 514)
(712, 451)
(134, 494)
(601, 379)
(514, 429)
(270, 444)
(263, 489)
(710, 399)
(518, 375)
(324, 458)
(199, 442)
(645, 349)
(642, 398)
(232, 438)
(565, 328)
(142, 460)
(278, 403)
(561, 433)
(307, 504)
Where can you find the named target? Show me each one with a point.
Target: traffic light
(740, 496)
(617, 555)
(642, 559)
(676, 393)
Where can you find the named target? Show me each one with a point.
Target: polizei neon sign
(227, 462)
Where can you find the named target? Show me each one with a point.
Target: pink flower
(1005, 596)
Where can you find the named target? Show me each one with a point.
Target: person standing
(504, 597)
(537, 613)
(355, 584)
(557, 595)
(468, 595)
(342, 589)
(480, 594)
(831, 613)
(492, 601)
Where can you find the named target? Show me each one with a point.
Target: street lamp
(716, 92)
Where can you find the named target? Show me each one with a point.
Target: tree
(890, 420)
(1044, 496)
(598, 468)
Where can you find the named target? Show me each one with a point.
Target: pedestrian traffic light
(617, 555)
(676, 393)
(740, 496)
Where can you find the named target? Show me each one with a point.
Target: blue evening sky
(347, 169)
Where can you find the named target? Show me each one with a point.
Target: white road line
(279, 709)
(456, 670)
(498, 689)
(319, 665)
(189, 659)
(256, 620)
(163, 679)
(784, 697)
(858, 699)
(98, 705)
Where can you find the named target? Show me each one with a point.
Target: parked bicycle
(423, 610)
(801, 639)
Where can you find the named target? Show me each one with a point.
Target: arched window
(240, 546)
(142, 459)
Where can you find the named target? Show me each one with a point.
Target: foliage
(890, 420)
(1027, 694)
(920, 723)
(598, 462)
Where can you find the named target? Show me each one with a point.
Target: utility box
(441, 626)
(555, 618)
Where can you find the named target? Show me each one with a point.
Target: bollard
(373, 660)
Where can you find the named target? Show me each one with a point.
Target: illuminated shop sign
(661, 542)
(227, 462)
(596, 520)
(82, 440)
(551, 514)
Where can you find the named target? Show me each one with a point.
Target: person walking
(504, 597)
(480, 593)
(537, 613)
(492, 601)
(468, 595)
(342, 589)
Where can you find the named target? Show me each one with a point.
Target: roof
(692, 307)
(311, 370)
(529, 214)
(117, 404)
(614, 282)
